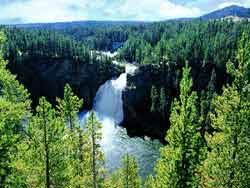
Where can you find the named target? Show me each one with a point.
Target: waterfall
(108, 100)
(115, 142)
(108, 106)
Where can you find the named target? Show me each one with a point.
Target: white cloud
(69, 10)
(172, 10)
(244, 3)
(41, 11)
(227, 4)
(155, 10)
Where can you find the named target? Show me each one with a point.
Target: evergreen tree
(180, 159)
(79, 159)
(41, 159)
(78, 143)
(115, 180)
(130, 173)
(127, 176)
(206, 105)
(69, 107)
(163, 103)
(11, 118)
(14, 109)
(154, 99)
(228, 163)
(96, 167)
(150, 182)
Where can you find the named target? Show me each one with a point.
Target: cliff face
(139, 120)
(47, 77)
(137, 102)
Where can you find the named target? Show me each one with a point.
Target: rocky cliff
(139, 120)
(47, 77)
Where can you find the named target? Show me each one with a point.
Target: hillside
(231, 11)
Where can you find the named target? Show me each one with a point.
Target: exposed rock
(47, 77)
(139, 121)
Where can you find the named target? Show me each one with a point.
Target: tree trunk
(127, 172)
(46, 151)
(93, 153)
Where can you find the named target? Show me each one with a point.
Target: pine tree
(180, 159)
(14, 109)
(41, 159)
(114, 180)
(150, 182)
(78, 143)
(11, 117)
(96, 167)
(228, 163)
(69, 107)
(163, 103)
(127, 176)
(154, 99)
(130, 172)
(206, 105)
(79, 159)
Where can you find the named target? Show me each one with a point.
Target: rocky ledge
(47, 77)
(139, 121)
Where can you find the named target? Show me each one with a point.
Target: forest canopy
(206, 144)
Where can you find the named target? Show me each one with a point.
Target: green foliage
(154, 99)
(32, 43)
(41, 156)
(228, 163)
(198, 41)
(180, 159)
(69, 107)
(127, 176)
(206, 106)
(76, 142)
(150, 182)
(14, 109)
(130, 172)
(163, 102)
(51, 155)
(11, 118)
(40, 151)
(135, 49)
(93, 128)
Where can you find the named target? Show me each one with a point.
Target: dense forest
(207, 142)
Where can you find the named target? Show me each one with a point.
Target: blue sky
(28, 11)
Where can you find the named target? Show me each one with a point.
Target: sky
(37, 11)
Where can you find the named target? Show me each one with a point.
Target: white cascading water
(108, 100)
(115, 142)
(108, 106)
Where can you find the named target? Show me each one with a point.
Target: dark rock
(139, 121)
(47, 77)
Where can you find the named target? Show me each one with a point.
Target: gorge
(115, 143)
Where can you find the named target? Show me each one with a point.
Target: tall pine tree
(180, 159)
(96, 165)
(154, 99)
(228, 163)
(14, 109)
(127, 176)
(69, 107)
(41, 159)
